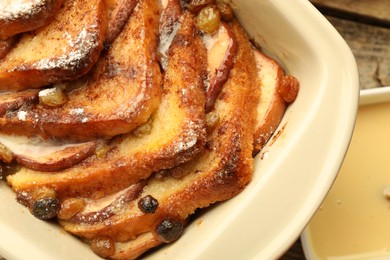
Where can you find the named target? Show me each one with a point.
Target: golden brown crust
(64, 49)
(121, 94)
(119, 12)
(217, 174)
(19, 16)
(131, 158)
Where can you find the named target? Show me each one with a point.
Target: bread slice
(218, 173)
(272, 81)
(119, 12)
(176, 132)
(64, 49)
(19, 16)
(121, 94)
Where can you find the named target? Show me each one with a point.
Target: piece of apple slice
(6, 45)
(277, 91)
(46, 155)
(221, 49)
(169, 24)
(14, 100)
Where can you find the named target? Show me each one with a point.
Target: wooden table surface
(365, 26)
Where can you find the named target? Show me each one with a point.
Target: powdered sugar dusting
(46, 92)
(77, 111)
(22, 115)
(81, 46)
(189, 139)
(16, 9)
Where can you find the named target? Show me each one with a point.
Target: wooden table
(365, 26)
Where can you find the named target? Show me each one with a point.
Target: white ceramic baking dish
(291, 176)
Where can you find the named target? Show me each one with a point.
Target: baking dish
(292, 174)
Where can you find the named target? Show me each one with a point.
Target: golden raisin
(103, 246)
(144, 129)
(212, 120)
(208, 19)
(101, 151)
(70, 207)
(43, 193)
(196, 5)
(289, 88)
(52, 97)
(5, 154)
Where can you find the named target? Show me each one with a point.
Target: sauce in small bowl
(353, 221)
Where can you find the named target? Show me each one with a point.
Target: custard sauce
(353, 222)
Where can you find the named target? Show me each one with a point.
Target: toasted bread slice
(119, 12)
(19, 16)
(218, 173)
(177, 132)
(121, 94)
(64, 49)
(169, 23)
(6, 45)
(273, 104)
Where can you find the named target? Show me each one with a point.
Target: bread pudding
(163, 118)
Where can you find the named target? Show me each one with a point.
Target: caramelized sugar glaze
(159, 114)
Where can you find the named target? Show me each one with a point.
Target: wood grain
(372, 11)
(371, 48)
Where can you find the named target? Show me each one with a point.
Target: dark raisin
(169, 230)
(148, 204)
(46, 208)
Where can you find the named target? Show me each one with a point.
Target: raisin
(102, 246)
(169, 230)
(148, 204)
(52, 97)
(70, 208)
(46, 208)
(208, 19)
(196, 5)
(289, 88)
(5, 154)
